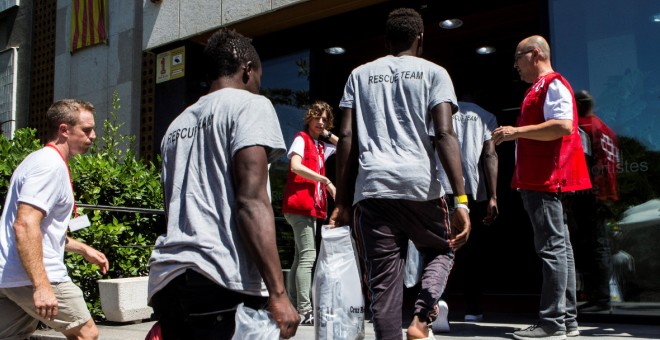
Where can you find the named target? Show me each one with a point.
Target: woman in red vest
(305, 199)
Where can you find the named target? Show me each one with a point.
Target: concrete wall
(94, 73)
(15, 31)
(172, 20)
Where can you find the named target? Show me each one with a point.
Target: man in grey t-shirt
(220, 249)
(387, 172)
(473, 126)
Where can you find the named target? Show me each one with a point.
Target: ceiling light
(451, 23)
(655, 18)
(335, 50)
(485, 50)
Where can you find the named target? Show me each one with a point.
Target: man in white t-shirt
(34, 284)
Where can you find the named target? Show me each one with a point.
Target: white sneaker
(430, 337)
(572, 331)
(441, 324)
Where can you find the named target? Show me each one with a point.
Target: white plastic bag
(337, 293)
(255, 324)
(414, 266)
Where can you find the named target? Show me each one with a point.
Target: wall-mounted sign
(171, 64)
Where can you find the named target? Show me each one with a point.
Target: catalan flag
(89, 23)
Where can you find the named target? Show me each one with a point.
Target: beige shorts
(19, 318)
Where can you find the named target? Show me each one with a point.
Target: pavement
(501, 327)
(503, 316)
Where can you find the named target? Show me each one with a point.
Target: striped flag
(89, 23)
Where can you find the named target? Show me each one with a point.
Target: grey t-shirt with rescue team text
(391, 98)
(197, 152)
(473, 126)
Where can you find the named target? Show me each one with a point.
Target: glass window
(610, 48)
(286, 84)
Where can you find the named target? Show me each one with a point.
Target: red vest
(604, 158)
(301, 195)
(549, 166)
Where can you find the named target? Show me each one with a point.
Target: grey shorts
(19, 318)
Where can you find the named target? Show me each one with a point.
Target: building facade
(608, 47)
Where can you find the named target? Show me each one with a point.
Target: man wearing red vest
(550, 163)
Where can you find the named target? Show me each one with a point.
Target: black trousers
(587, 222)
(193, 307)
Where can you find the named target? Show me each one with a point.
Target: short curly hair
(316, 110)
(225, 51)
(403, 25)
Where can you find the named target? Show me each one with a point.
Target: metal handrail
(121, 209)
(139, 210)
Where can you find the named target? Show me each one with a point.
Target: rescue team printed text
(393, 78)
(191, 131)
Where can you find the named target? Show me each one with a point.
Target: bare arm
(334, 139)
(450, 157)
(549, 130)
(256, 227)
(447, 147)
(89, 254)
(301, 170)
(489, 161)
(347, 164)
(30, 251)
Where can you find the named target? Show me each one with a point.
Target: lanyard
(320, 192)
(75, 211)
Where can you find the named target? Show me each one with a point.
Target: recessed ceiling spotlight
(335, 50)
(485, 50)
(451, 23)
(655, 18)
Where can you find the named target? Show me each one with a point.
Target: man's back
(392, 97)
(473, 126)
(197, 152)
(604, 158)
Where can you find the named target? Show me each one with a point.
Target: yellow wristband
(462, 199)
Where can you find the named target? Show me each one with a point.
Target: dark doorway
(513, 267)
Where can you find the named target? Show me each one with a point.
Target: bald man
(550, 164)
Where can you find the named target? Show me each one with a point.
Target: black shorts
(192, 306)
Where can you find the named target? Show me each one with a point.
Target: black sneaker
(307, 318)
(537, 332)
(594, 307)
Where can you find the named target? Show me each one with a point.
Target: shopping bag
(414, 266)
(336, 293)
(255, 325)
(155, 332)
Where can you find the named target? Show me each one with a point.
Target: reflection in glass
(617, 61)
(285, 82)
